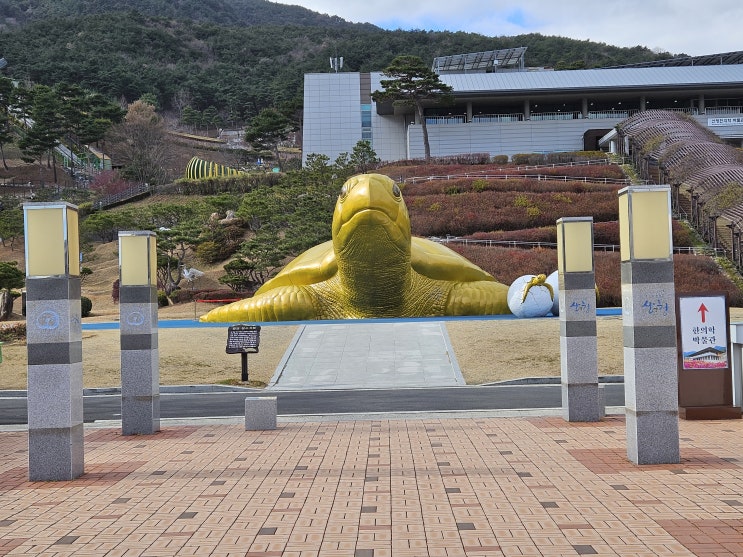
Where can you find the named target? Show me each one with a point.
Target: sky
(677, 26)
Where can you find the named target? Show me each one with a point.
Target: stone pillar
(469, 112)
(527, 110)
(643, 103)
(584, 107)
(649, 325)
(578, 344)
(140, 371)
(54, 342)
(702, 108)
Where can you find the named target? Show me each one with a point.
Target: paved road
(219, 404)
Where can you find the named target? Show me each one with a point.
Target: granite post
(140, 371)
(577, 297)
(649, 325)
(54, 342)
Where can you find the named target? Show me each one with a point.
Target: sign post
(704, 363)
(243, 340)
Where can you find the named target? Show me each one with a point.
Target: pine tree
(413, 84)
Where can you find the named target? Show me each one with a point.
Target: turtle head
(370, 216)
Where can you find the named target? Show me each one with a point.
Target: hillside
(237, 56)
(221, 12)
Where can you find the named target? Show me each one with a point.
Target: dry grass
(487, 350)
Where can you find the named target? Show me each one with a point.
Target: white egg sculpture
(528, 296)
(554, 282)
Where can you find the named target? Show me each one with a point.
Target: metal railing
(439, 120)
(724, 110)
(571, 115)
(515, 244)
(616, 114)
(489, 118)
(538, 177)
(130, 193)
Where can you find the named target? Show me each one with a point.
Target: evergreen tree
(6, 129)
(363, 157)
(412, 83)
(44, 126)
(267, 129)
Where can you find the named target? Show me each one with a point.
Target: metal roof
(597, 79)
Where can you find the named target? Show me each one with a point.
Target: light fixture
(575, 245)
(137, 258)
(645, 223)
(52, 239)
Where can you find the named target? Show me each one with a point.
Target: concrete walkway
(368, 355)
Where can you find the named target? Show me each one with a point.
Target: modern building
(503, 108)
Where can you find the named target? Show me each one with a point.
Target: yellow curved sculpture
(538, 280)
(199, 168)
(371, 268)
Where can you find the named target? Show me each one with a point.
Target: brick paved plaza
(483, 486)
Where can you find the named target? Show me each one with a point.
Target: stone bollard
(260, 413)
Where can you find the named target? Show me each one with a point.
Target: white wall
(504, 138)
(332, 114)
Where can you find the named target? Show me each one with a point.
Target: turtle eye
(396, 191)
(344, 191)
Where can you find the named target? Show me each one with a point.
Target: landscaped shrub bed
(606, 233)
(402, 170)
(693, 273)
(595, 171)
(467, 213)
(522, 185)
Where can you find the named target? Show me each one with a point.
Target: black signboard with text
(243, 340)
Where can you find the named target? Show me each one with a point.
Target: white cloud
(676, 26)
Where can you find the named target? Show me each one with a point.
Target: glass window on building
(366, 122)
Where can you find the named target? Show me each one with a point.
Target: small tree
(363, 157)
(11, 223)
(10, 277)
(44, 127)
(240, 275)
(265, 251)
(139, 143)
(317, 168)
(266, 130)
(6, 128)
(412, 83)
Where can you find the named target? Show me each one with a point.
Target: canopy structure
(197, 169)
(705, 174)
(481, 62)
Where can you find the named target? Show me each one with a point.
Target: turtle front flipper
(285, 303)
(478, 298)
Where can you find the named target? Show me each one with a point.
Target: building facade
(509, 112)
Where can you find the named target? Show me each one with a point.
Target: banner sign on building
(703, 331)
(728, 121)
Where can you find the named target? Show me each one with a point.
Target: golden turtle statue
(371, 268)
